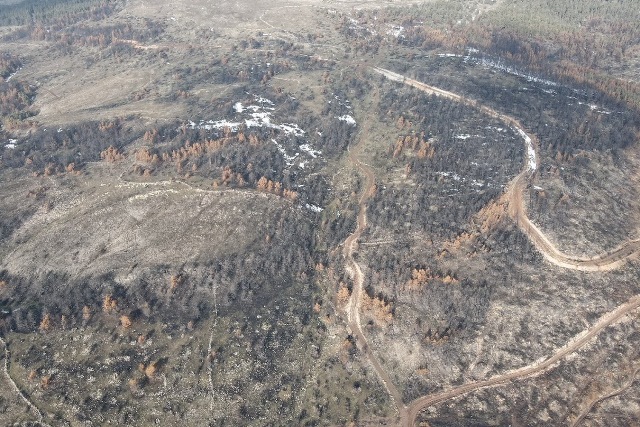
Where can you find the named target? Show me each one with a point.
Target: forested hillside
(310, 213)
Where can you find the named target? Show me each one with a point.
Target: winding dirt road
(518, 185)
(527, 371)
(409, 413)
(353, 306)
(585, 413)
(33, 408)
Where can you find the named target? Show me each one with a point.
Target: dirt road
(609, 261)
(518, 185)
(350, 245)
(585, 413)
(527, 371)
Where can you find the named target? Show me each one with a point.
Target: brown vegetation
(86, 313)
(422, 149)
(125, 321)
(109, 304)
(111, 155)
(45, 323)
(343, 294)
(380, 309)
(421, 277)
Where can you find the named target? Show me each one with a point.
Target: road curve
(585, 413)
(527, 371)
(603, 262)
(515, 190)
(353, 307)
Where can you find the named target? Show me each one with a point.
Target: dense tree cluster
(15, 99)
(580, 40)
(594, 120)
(8, 65)
(55, 149)
(59, 13)
(466, 167)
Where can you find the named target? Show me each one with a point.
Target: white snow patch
(505, 68)
(263, 100)
(11, 144)
(348, 119)
(343, 104)
(220, 124)
(355, 25)
(535, 187)
(395, 31)
(310, 151)
(594, 107)
(313, 208)
(463, 136)
(531, 152)
(289, 160)
(258, 118)
(12, 75)
(449, 55)
(289, 128)
(254, 108)
(453, 175)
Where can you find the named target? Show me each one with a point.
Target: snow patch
(355, 25)
(342, 104)
(489, 63)
(395, 31)
(313, 208)
(260, 116)
(211, 124)
(347, 119)
(310, 151)
(11, 144)
(595, 107)
(453, 175)
(289, 160)
(290, 128)
(12, 75)
(263, 100)
(531, 152)
(510, 70)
